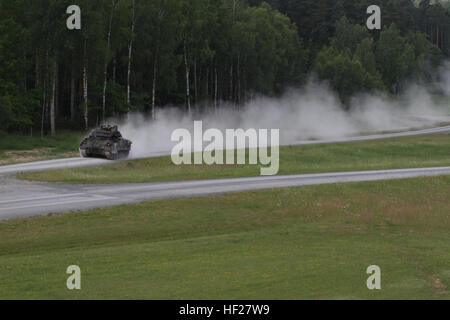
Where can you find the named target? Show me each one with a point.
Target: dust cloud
(313, 112)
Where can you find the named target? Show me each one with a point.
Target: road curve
(81, 162)
(24, 199)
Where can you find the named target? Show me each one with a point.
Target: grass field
(20, 148)
(410, 152)
(299, 243)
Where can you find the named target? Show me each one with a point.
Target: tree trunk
(238, 94)
(155, 70)
(43, 110)
(195, 81)
(188, 90)
(37, 82)
(72, 95)
(207, 84)
(25, 80)
(244, 79)
(57, 92)
(231, 82)
(155, 63)
(105, 70)
(215, 87)
(130, 50)
(114, 69)
(85, 89)
(44, 102)
(52, 101)
(231, 51)
(438, 39)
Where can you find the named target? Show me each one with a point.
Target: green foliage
(404, 57)
(345, 72)
(67, 141)
(395, 57)
(365, 54)
(13, 108)
(348, 35)
(267, 43)
(139, 102)
(117, 99)
(233, 49)
(425, 53)
(6, 110)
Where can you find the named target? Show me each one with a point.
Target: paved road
(25, 198)
(439, 130)
(61, 164)
(80, 162)
(22, 198)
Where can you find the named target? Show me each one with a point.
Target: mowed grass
(410, 152)
(21, 148)
(299, 243)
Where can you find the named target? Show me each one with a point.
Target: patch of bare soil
(439, 286)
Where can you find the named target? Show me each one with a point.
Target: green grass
(410, 152)
(20, 148)
(299, 243)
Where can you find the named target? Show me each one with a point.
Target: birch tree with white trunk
(53, 101)
(105, 70)
(85, 87)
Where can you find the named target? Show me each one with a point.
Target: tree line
(138, 55)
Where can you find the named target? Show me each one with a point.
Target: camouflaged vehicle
(106, 142)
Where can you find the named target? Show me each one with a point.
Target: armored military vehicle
(106, 142)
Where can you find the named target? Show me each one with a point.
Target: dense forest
(139, 55)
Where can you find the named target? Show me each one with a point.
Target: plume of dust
(311, 113)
